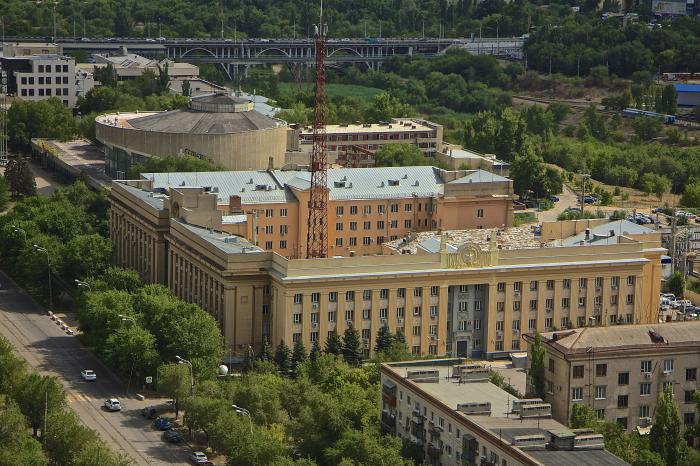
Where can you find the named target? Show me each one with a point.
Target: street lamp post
(133, 360)
(244, 412)
(48, 263)
(185, 361)
(17, 229)
(82, 284)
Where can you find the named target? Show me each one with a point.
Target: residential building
(620, 371)
(461, 297)
(458, 158)
(458, 418)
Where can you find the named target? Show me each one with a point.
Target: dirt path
(566, 199)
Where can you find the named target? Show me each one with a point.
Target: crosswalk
(74, 396)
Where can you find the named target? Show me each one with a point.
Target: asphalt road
(50, 350)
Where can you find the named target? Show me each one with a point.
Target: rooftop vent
(231, 239)
(404, 177)
(393, 182)
(475, 407)
(428, 375)
(656, 337)
(381, 185)
(339, 184)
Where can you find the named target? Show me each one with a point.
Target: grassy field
(333, 90)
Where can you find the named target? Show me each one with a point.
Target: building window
(689, 419)
(645, 389)
(416, 311)
(500, 306)
(380, 224)
(349, 295)
(582, 282)
(501, 286)
(550, 284)
(644, 411)
(531, 324)
(353, 210)
(578, 372)
(383, 313)
(551, 365)
(691, 373)
(480, 213)
(380, 239)
(296, 337)
(367, 209)
(499, 346)
(408, 207)
(366, 334)
(630, 280)
(477, 324)
(533, 304)
(499, 325)
(516, 324)
(269, 213)
(383, 293)
(622, 422)
(645, 366)
(367, 225)
(601, 370)
(353, 241)
(333, 297)
(622, 401)
(668, 386)
(566, 284)
(283, 244)
(577, 393)
(339, 242)
(268, 229)
(297, 298)
(515, 345)
(598, 282)
(565, 303)
(401, 292)
(393, 224)
(331, 316)
(296, 318)
(613, 300)
(517, 286)
(668, 365)
(600, 392)
(339, 227)
(630, 299)
(314, 317)
(416, 330)
(367, 295)
(565, 323)
(418, 292)
(400, 311)
(477, 305)
(689, 396)
(580, 321)
(623, 378)
(380, 209)
(407, 223)
(394, 208)
(339, 210)
(533, 285)
(433, 330)
(548, 322)
(353, 226)
(549, 304)
(581, 301)
(597, 300)
(433, 311)
(350, 315)
(516, 306)
(462, 325)
(315, 297)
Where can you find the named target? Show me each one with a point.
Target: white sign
(149, 379)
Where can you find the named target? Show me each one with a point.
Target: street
(50, 351)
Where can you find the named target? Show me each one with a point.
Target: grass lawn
(333, 90)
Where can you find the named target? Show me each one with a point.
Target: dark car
(172, 436)
(149, 412)
(163, 423)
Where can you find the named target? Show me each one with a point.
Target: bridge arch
(201, 49)
(260, 53)
(348, 49)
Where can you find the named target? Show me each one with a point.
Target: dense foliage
(183, 163)
(28, 402)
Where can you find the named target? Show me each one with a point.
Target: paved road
(51, 351)
(566, 199)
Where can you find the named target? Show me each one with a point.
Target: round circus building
(222, 128)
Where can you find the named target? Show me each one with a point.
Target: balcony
(434, 451)
(388, 422)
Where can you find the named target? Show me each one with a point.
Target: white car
(113, 405)
(197, 457)
(88, 374)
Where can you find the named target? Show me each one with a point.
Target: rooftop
(687, 87)
(647, 337)
(394, 125)
(343, 183)
(504, 425)
(607, 233)
(506, 238)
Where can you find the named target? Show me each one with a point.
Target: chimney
(270, 164)
(612, 233)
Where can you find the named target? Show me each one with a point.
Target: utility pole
(673, 241)
(46, 415)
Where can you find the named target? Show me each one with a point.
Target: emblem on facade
(469, 255)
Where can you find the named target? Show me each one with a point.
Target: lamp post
(82, 284)
(185, 361)
(48, 263)
(244, 412)
(133, 360)
(17, 229)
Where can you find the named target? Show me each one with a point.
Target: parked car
(198, 457)
(113, 405)
(163, 423)
(172, 436)
(554, 198)
(88, 374)
(149, 412)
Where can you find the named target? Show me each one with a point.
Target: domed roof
(221, 103)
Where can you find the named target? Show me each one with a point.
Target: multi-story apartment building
(458, 418)
(39, 76)
(468, 295)
(366, 207)
(620, 371)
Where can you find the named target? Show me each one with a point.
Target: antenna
(317, 236)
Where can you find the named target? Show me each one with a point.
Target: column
(442, 318)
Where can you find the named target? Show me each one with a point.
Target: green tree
(65, 436)
(668, 100)
(647, 128)
(383, 340)
(37, 395)
(582, 416)
(266, 351)
(333, 344)
(691, 195)
(283, 358)
(352, 346)
(366, 447)
(527, 171)
(400, 155)
(536, 358)
(185, 163)
(195, 335)
(202, 412)
(174, 381)
(163, 79)
(298, 354)
(19, 175)
(384, 107)
(657, 184)
(315, 351)
(86, 256)
(122, 279)
(4, 193)
(186, 88)
(106, 75)
(666, 434)
(12, 368)
(18, 447)
(131, 348)
(29, 119)
(676, 284)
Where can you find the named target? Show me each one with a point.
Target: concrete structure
(39, 71)
(688, 94)
(198, 87)
(128, 66)
(620, 371)
(367, 207)
(459, 418)
(472, 298)
(222, 128)
(458, 158)
(669, 8)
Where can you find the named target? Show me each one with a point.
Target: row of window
(366, 314)
(44, 80)
(566, 283)
(601, 370)
(368, 137)
(57, 68)
(565, 303)
(43, 92)
(366, 294)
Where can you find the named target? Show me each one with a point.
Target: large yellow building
(459, 293)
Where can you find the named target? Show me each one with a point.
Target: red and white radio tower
(317, 239)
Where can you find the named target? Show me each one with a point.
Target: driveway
(566, 199)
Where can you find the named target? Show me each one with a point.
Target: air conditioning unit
(400, 321)
(349, 322)
(314, 305)
(668, 373)
(516, 331)
(384, 321)
(433, 337)
(314, 324)
(645, 421)
(517, 294)
(647, 375)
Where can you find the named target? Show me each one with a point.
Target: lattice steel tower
(317, 238)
